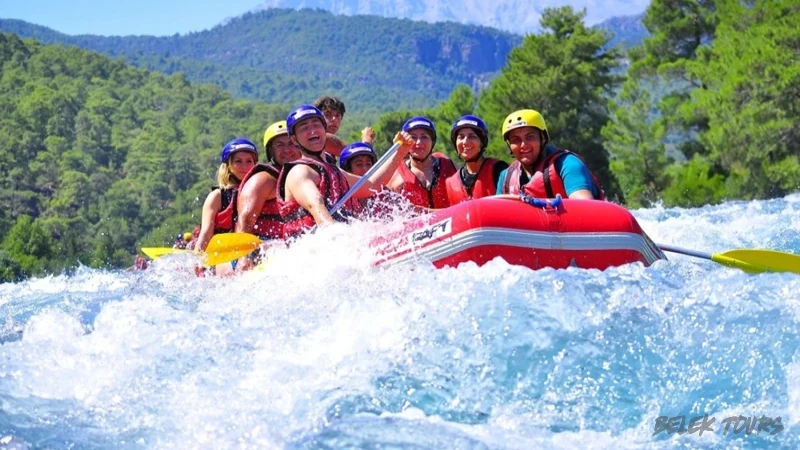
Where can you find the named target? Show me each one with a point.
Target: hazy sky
(123, 17)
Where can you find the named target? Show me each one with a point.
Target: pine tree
(564, 73)
(634, 137)
(752, 69)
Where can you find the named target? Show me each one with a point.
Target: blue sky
(123, 17)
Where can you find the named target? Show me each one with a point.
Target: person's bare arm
(395, 183)
(208, 219)
(368, 135)
(333, 144)
(301, 186)
(582, 194)
(385, 171)
(260, 188)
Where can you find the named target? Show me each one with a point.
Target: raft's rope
(541, 203)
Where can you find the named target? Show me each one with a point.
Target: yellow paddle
(223, 248)
(157, 252)
(749, 260)
(229, 246)
(226, 247)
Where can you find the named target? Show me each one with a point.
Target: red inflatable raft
(577, 233)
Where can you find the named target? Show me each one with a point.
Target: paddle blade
(157, 252)
(226, 247)
(757, 261)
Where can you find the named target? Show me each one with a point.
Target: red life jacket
(333, 185)
(225, 220)
(269, 224)
(546, 182)
(416, 193)
(329, 158)
(484, 186)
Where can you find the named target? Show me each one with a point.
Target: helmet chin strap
(542, 151)
(423, 159)
(477, 157)
(542, 147)
(312, 152)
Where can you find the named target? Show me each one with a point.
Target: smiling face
(468, 144)
(310, 134)
(240, 163)
(283, 150)
(422, 143)
(525, 144)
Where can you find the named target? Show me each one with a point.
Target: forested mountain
(375, 64)
(97, 157)
(290, 56)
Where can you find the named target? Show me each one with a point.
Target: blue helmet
(302, 113)
(238, 145)
(356, 149)
(421, 122)
(474, 122)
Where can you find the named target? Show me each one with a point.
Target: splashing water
(322, 350)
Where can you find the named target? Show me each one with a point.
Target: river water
(322, 350)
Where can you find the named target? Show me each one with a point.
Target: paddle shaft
(745, 264)
(386, 156)
(157, 252)
(338, 205)
(683, 251)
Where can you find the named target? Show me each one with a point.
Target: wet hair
(330, 103)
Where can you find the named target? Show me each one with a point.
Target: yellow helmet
(187, 236)
(273, 131)
(525, 118)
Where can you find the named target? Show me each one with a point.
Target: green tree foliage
(95, 155)
(753, 101)
(98, 159)
(733, 72)
(375, 64)
(678, 29)
(564, 73)
(10, 269)
(461, 102)
(28, 245)
(694, 184)
(636, 143)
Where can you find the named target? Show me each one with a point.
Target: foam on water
(322, 350)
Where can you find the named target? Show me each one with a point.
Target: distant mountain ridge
(286, 56)
(516, 16)
(626, 30)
